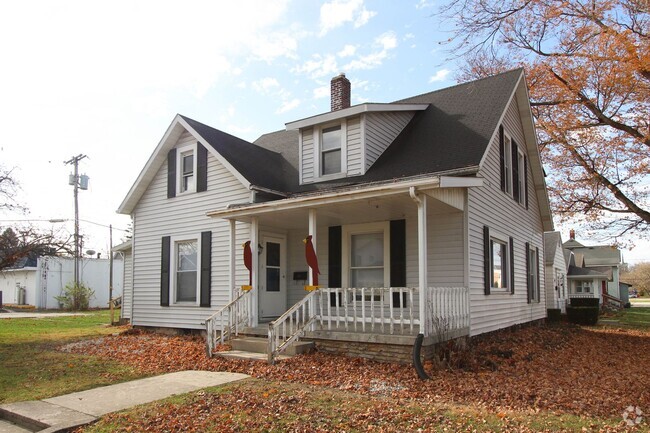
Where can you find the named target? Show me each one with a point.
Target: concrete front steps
(255, 348)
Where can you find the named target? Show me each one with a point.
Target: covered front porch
(393, 263)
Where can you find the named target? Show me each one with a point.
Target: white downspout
(421, 201)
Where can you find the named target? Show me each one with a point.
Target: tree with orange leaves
(588, 68)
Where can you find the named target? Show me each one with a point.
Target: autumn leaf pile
(596, 372)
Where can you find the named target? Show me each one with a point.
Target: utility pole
(110, 273)
(74, 180)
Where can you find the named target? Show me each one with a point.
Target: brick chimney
(340, 92)
(572, 234)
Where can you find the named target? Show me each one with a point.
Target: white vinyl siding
(366, 138)
(355, 150)
(157, 216)
(381, 131)
(307, 152)
(487, 205)
(127, 290)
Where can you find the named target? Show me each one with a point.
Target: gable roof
(466, 115)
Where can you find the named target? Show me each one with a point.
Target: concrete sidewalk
(79, 408)
(35, 315)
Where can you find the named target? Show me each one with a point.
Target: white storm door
(273, 281)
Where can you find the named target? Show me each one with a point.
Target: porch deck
(389, 316)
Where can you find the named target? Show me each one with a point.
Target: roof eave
(352, 111)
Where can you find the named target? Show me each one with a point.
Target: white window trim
(317, 132)
(582, 282)
(500, 237)
(179, 168)
(522, 176)
(357, 229)
(174, 240)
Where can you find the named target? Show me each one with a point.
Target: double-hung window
(533, 279)
(330, 150)
(186, 169)
(507, 163)
(521, 178)
(185, 277)
(583, 286)
(499, 263)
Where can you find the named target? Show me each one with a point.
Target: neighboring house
(555, 271)
(426, 214)
(124, 253)
(594, 271)
(43, 279)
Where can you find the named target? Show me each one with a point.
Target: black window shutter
(528, 282)
(201, 168)
(164, 271)
(512, 265)
(515, 170)
(334, 260)
(398, 259)
(486, 259)
(538, 278)
(502, 156)
(526, 180)
(171, 173)
(206, 267)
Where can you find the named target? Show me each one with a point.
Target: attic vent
(340, 92)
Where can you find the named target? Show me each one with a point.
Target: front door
(273, 281)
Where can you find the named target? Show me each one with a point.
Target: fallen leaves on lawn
(582, 371)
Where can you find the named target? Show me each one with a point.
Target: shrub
(76, 297)
(582, 315)
(554, 314)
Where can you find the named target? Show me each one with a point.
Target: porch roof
(445, 189)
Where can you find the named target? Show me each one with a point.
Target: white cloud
(441, 75)
(318, 66)
(409, 36)
(265, 85)
(288, 105)
(321, 92)
(382, 48)
(423, 4)
(347, 51)
(338, 12)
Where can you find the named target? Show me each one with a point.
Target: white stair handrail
(291, 325)
(228, 320)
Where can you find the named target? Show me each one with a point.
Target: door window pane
(367, 277)
(272, 254)
(272, 279)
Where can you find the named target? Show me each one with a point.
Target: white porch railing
(229, 320)
(289, 327)
(392, 310)
(581, 295)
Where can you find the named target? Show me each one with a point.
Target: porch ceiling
(359, 211)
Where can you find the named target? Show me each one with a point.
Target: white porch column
(423, 280)
(314, 242)
(255, 239)
(232, 272)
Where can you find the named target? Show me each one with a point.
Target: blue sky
(105, 79)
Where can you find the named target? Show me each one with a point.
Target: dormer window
(330, 150)
(186, 163)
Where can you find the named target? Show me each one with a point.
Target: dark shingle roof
(259, 166)
(451, 134)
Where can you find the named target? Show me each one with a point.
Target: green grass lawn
(636, 317)
(32, 368)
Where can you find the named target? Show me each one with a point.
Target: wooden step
(260, 345)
